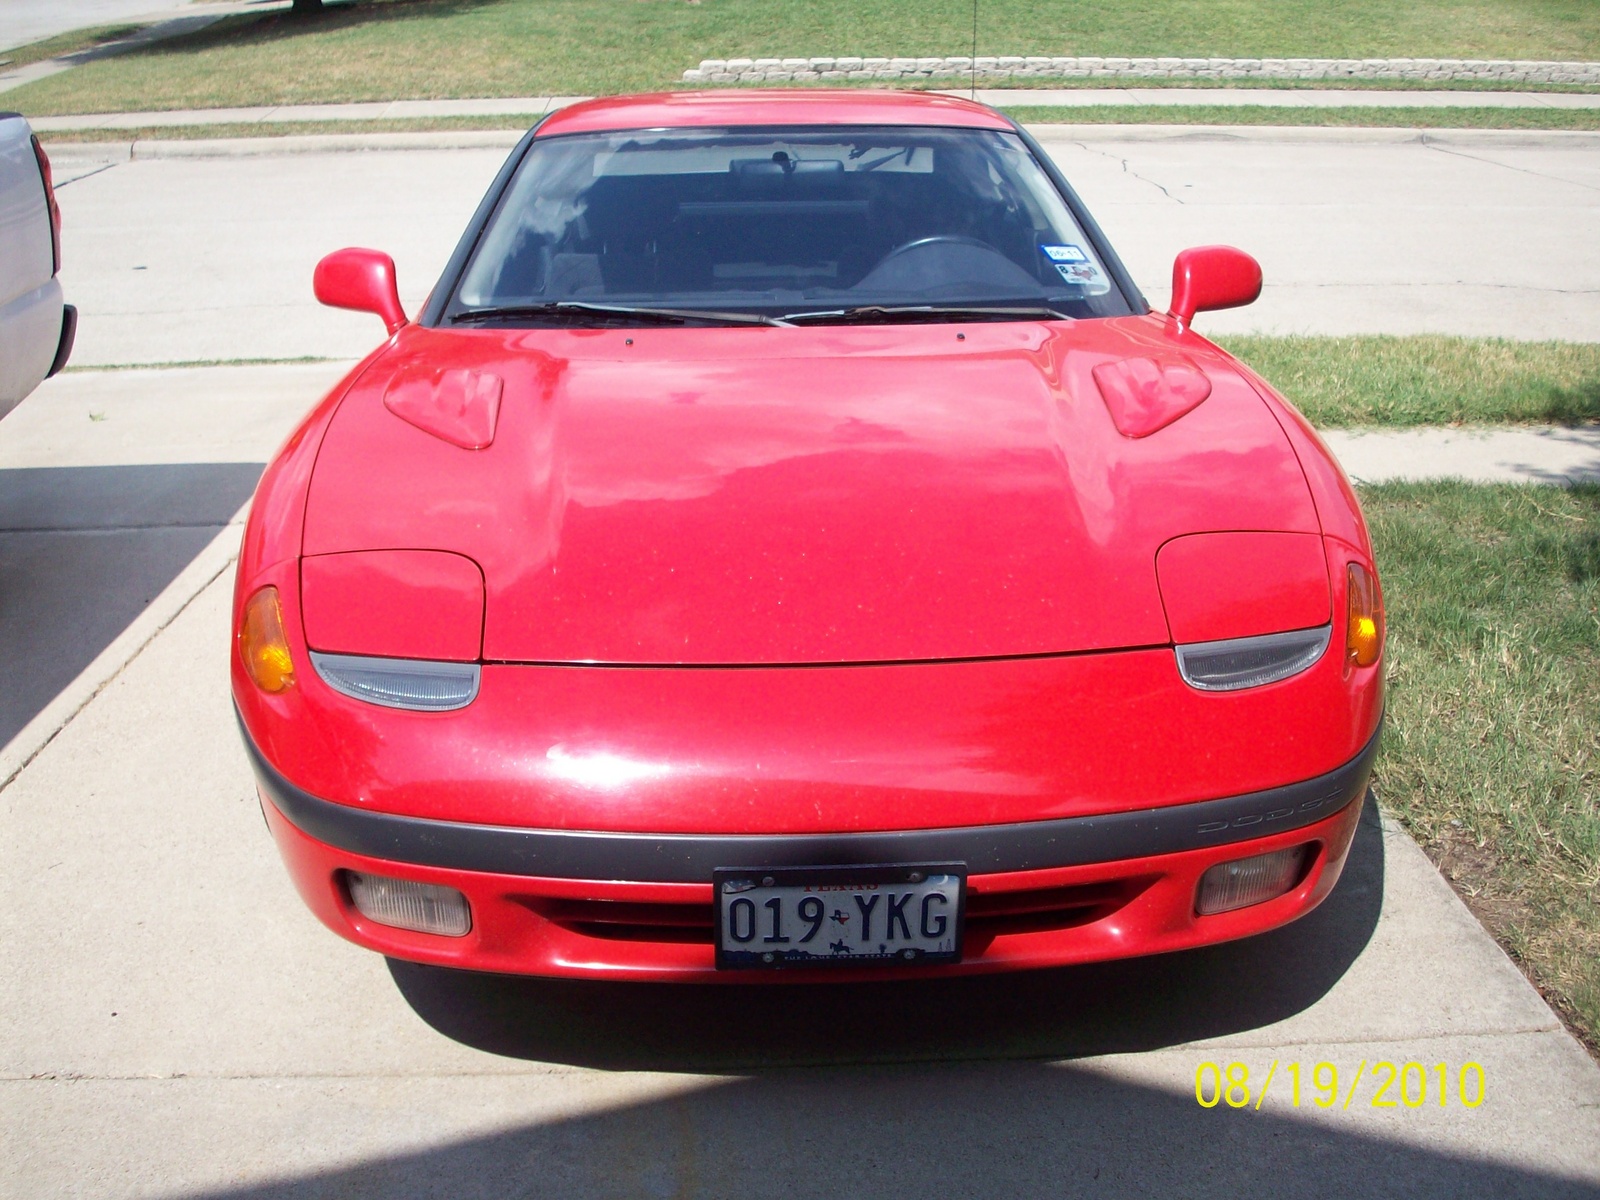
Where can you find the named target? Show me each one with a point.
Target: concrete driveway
(174, 1022)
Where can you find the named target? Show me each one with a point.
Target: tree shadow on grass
(1119, 1007)
(1575, 405)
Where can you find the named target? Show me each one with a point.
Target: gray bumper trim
(690, 858)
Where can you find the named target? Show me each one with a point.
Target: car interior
(934, 217)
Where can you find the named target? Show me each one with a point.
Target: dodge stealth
(787, 545)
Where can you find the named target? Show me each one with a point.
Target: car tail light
(405, 904)
(1250, 662)
(1247, 881)
(262, 644)
(50, 199)
(400, 682)
(1363, 637)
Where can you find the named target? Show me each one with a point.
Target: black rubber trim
(69, 334)
(439, 299)
(1134, 298)
(691, 858)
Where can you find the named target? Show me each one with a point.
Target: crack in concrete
(1435, 146)
(59, 184)
(1127, 170)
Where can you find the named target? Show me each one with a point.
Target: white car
(36, 327)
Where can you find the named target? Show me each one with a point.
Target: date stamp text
(1382, 1084)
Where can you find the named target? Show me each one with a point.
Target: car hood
(819, 495)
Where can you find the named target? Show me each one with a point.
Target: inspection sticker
(1085, 275)
(1064, 254)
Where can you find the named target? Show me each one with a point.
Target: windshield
(810, 223)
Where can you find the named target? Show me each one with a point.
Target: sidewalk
(379, 110)
(538, 106)
(1479, 454)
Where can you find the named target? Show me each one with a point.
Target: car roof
(797, 106)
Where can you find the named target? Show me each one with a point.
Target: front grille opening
(1041, 910)
(627, 921)
(989, 914)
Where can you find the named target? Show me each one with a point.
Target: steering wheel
(938, 239)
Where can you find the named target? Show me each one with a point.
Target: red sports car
(786, 543)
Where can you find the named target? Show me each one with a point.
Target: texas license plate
(839, 916)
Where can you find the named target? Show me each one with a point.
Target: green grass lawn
(1491, 756)
(1427, 379)
(383, 49)
(1397, 117)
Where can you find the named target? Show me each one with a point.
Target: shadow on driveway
(972, 1131)
(83, 550)
(857, 1125)
(1137, 1004)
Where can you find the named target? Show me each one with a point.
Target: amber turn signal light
(1363, 636)
(262, 644)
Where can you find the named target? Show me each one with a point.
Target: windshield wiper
(879, 314)
(580, 308)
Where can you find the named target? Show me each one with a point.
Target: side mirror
(1210, 277)
(363, 280)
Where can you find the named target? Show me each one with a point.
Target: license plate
(839, 916)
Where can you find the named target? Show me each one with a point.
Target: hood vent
(460, 407)
(1144, 395)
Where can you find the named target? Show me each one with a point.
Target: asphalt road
(182, 259)
(174, 1023)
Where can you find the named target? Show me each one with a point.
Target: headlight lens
(400, 682)
(1252, 661)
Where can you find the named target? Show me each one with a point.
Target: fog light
(1247, 881)
(404, 904)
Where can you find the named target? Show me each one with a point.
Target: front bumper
(639, 906)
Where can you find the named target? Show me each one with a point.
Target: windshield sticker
(1065, 254)
(1085, 275)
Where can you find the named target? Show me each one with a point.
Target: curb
(1563, 139)
(528, 108)
(492, 139)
